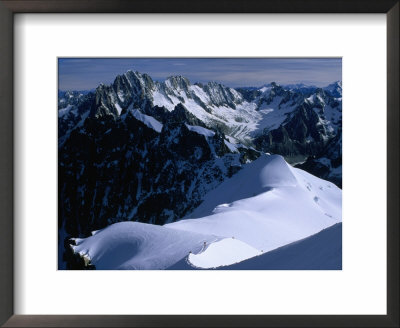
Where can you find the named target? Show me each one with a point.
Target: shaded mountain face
(304, 130)
(335, 89)
(117, 170)
(73, 109)
(328, 164)
(149, 151)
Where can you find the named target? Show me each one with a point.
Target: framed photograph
(199, 164)
(200, 169)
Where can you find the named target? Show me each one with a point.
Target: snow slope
(200, 130)
(150, 121)
(221, 253)
(134, 245)
(322, 251)
(266, 205)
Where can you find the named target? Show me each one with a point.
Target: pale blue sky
(88, 73)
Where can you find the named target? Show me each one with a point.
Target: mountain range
(148, 151)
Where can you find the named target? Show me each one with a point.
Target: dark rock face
(117, 169)
(293, 138)
(131, 89)
(181, 114)
(221, 95)
(72, 111)
(249, 94)
(285, 96)
(327, 164)
(309, 131)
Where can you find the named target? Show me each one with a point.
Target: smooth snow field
(242, 224)
(134, 245)
(322, 251)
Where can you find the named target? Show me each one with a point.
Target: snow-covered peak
(266, 172)
(239, 113)
(104, 102)
(221, 95)
(335, 89)
(178, 82)
(319, 98)
(214, 84)
(265, 88)
(297, 206)
(100, 87)
(276, 172)
(295, 86)
(134, 74)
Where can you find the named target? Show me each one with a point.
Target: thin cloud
(88, 73)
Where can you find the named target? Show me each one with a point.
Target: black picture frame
(10, 7)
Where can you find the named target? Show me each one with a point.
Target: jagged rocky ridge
(149, 151)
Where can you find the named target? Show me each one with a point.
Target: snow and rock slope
(267, 205)
(149, 151)
(238, 114)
